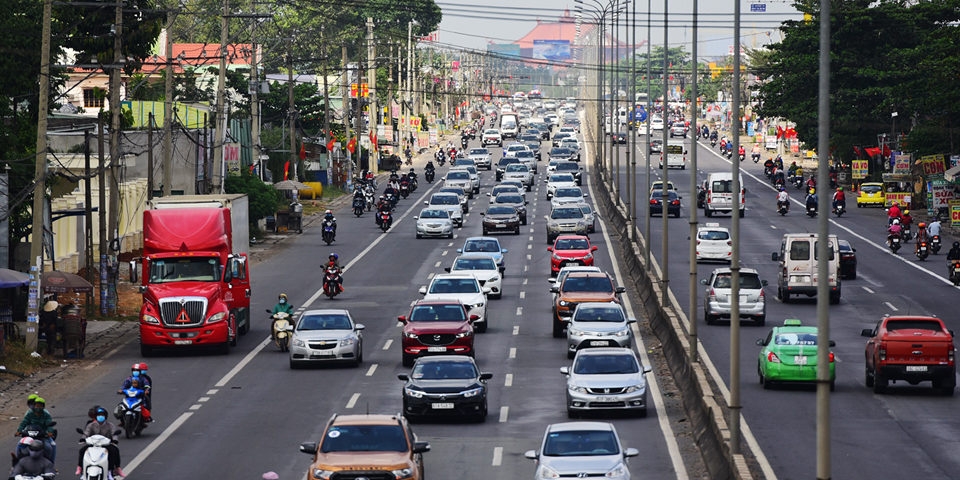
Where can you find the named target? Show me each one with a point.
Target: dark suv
(436, 327)
(366, 446)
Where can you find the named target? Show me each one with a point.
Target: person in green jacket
(39, 416)
(283, 305)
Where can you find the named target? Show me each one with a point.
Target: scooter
(907, 234)
(923, 251)
(935, 244)
(783, 208)
(429, 175)
(384, 220)
(811, 211)
(95, 465)
(756, 157)
(742, 156)
(27, 436)
(130, 412)
(955, 272)
(281, 330)
(797, 181)
(329, 232)
(713, 142)
(359, 205)
(840, 210)
(404, 189)
(893, 241)
(368, 195)
(42, 476)
(332, 282)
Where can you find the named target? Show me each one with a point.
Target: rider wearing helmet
(839, 199)
(893, 213)
(328, 216)
(39, 417)
(100, 426)
(34, 463)
(811, 200)
(334, 260)
(145, 383)
(283, 305)
(783, 198)
(954, 253)
(921, 235)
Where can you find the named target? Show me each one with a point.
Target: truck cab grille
(183, 311)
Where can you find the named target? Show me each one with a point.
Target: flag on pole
(352, 145)
(303, 152)
(286, 170)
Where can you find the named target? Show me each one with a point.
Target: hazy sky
(472, 24)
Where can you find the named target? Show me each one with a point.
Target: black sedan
(848, 260)
(501, 218)
(619, 137)
(673, 203)
(447, 386)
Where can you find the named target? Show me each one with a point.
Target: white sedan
(559, 180)
(464, 288)
(483, 267)
(434, 222)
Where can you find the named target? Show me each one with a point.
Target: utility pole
(219, 116)
(87, 218)
(150, 156)
(291, 110)
(326, 106)
(113, 217)
(255, 98)
(168, 109)
(345, 91)
(40, 185)
(372, 81)
(102, 216)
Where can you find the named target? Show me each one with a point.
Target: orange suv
(366, 446)
(577, 288)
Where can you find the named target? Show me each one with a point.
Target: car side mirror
(446, 269)
(593, 248)
(423, 290)
(134, 277)
(426, 202)
(531, 454)
(474, 318)
(404, 377)
(631, 452)
(421, 447)
(555, 288)
(621, 289)
(565, 370)
(631, 320)
(774, 257)
(866, 332)
(833, 343)
(486, 376)
(760, 342)
(503, 250)
(704, 281)
(763, 282)
(309, 448)
(549, 249)
(402, 319)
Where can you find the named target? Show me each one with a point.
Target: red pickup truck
(910, 348)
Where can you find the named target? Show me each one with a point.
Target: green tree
(264, 199)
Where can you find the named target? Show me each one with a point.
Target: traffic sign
(758, 7)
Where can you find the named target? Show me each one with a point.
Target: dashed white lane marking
(436, 265)
(353, 400)
(508, 380)
(513, 353)
(867, 289)
(373, 368)
(890, 306)
(497, 456)
(386, 345)
(523, 294)
(519, 311)
(504, 413)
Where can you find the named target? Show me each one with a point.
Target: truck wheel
(834, 298)
(879, 383)
(557, 328)
(146, 351)
(867, 377)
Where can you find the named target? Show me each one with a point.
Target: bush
(264, 199)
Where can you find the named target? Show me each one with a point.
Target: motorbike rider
(953, 255)
(894, 230)
(811, 182)
(767, 164)
(430, 168)
(383, 205)
(100, 426)
(811, 200)
(440, 155)
(742, 152)
(283, 305)
(893, 213)
(779, 162)
(333, 260)
(40, 417)
(328, 217)
(839, 198)
(713, 136)
(921, 235)
(391, 190)
(778, 176)
(906, 220)
(755, 153)
(783, 198)
(143, 382)
(412, 175)
(34, 464)
(933, 228)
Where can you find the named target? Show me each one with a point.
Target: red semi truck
(196, 281)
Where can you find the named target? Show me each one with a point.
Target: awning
(952, 173)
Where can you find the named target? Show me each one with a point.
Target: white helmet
(896, 221)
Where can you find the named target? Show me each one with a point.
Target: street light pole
(695, 112)
(646, 176)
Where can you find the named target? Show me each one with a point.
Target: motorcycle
(756, 157)
(463, 142)
(768, 171)
(42, 476)
(742, 156)
(329, 232)
(811, 211)
(95, 465)
(359, 204)
(429, 175)
(839, 210)
(713, 142)
(332, 282)
(130, 412)
(783, 207)
(907, 234)
(797, 181)
(384, 220)
(27, 436)
(369, 194)
(955, 272)
(281, 330)
(935, 244)
(923, 251)
(391, 199)
(893, 241)
(404, 189)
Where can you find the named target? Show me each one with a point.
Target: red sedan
(570, 250)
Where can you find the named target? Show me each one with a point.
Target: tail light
(653, 201)
(882, 352)
(950, 353)
(675, 202)
(773, 358)
(729, 243)
(831, 357)
(709, 196)
(712, 293)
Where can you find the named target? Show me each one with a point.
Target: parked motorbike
(840, 210)
(95, 465)
(281, 330)
(893, 241)
(923, 250)
(329, 232)
(783, 207)
(332, 281)
(935, 244)
(130, 412)
(27, 436)
(955, 272)
(359, 205)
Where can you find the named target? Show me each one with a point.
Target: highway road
(909, 432)
(239, 415)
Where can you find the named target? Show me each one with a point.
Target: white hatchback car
(483, 267)
(713, 243)
(463, 287)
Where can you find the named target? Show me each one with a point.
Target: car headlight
(348, 342)
(493, 279)
(298, 342)
(557, 257)
(588, 256)
(636, 388)
(577, 388)
(547, 472)
(410, 335)
(473, 392)
(147, 318)
(618, 471)
(403, 473)
(564, 303)
(468, 333)
(216, 317)
(575, 331)
(321, 474)
(410, 392)
(622, 333)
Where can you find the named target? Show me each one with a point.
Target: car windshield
(364, 438)
(713, 235)
(507, 161)
(445, 200)
(434, 214)
(479, 151)
(568, 166)
(568, 192)
(438, 313)
(594, 314)
(509, 198)
(491, 132)
(579, 443)
(572, 244)
(587, 284)
(482, 246)
(747, 281)
(525, 154)
(475, 264)
(560, 152)
(871, 189)
(606, 364)
(585, 209)
(501, 211)
(190, 269)
(324, 322)
(444, 371)
(459, 175)
(503, 189)
(566, 213)
(454, 190)
(563, 177)
(798, 339)
(517, 167)
(454, 285)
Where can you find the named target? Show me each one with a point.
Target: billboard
(552, 50)
(504, 49)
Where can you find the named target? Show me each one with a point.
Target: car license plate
(436, 349)
(799, 360)
(183, 342)
(598, 343)
(916, 368)
(442, 406)
(326, 353)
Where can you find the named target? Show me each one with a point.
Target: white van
(509, 127)
(719, 194)
(676, 153)
(797, 274)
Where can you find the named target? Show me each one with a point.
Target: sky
(472, 25)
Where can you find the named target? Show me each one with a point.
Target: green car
(789, 354)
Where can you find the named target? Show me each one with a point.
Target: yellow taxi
(871, 194)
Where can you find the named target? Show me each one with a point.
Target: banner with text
(859, 169)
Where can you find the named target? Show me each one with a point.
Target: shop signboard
(859, 169)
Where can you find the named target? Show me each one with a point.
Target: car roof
(573, 237)
(588, 275)
(726, 270)
(457, 275)
(469, 239)
(574, 426)
(614, 305)
(446, 359)
(437, 302)
(326, 311)
(366, 419)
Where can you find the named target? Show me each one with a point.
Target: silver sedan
(606, 379)
(327, 335)
(598, 324)
(434, 222)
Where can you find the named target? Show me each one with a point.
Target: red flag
(858, 152)
(286, 170)
(373, 139)
(331, 143)
(352, 145)
(780, 132)
(303, 152)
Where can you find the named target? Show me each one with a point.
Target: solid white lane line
(146, 452)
